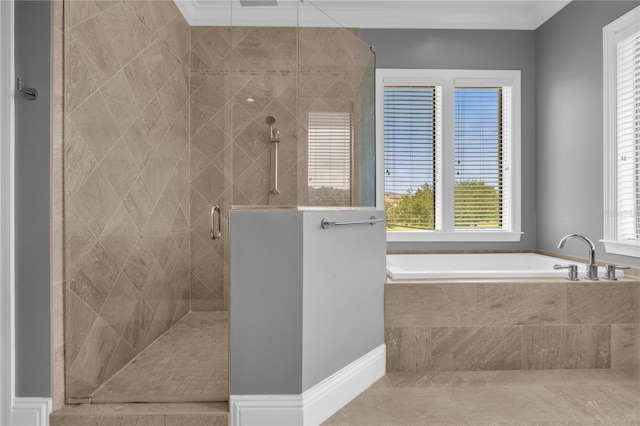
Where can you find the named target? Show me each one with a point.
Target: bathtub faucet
(592, 268)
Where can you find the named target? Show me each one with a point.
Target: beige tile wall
(544, 324)
(126, 182)
(287, 73)
(332, 68)
(211, 163)
(139, 84)
(57, 205)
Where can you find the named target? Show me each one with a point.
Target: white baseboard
(316, 404)
(30, 411)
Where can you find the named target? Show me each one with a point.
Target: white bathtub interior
(479, 265)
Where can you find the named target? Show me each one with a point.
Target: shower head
(270, 120)
(252, 3)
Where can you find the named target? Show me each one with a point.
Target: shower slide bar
(274, 140)
(275, 143)
(326, 222)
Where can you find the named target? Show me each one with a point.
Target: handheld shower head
(274, 133)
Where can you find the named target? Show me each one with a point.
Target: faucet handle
(572, 273)
(611, 272)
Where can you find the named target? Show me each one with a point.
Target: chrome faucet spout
(592, 268)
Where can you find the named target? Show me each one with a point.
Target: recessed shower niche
(162, 122)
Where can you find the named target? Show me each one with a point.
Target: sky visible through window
(409, 129)
(409, 138)
(476, 133)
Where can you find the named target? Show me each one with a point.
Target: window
(482, 143)
(622, 135)
(330, 159)
(411, 143)
(450, 143)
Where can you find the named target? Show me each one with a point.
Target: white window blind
(411, 138)
(330, 158)
(628, 138)
(451, 146)
(482, 143)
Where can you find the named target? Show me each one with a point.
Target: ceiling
(447, 14)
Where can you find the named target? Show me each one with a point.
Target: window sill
(624, 248)
(462, 236)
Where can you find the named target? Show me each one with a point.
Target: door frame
(7, 210)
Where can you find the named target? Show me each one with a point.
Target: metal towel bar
(326, 222)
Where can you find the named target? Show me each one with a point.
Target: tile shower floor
(188, 363)
(551, 397)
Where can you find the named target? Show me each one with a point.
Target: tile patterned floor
(551, 397)
(188, 363)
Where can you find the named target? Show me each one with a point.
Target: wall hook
(29, 92)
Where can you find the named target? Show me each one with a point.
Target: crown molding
(416, 14)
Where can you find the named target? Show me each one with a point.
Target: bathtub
(479, 265)
(477, 317)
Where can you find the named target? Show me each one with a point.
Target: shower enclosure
(271, 106)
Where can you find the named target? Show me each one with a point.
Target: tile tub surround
(287, 72)
(535, 324)
(57, 205)
(126, 182)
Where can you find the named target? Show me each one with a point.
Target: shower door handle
(215, 211)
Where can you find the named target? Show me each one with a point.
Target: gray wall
(568, 164)
(343, 297)
(470, 49)
(569, 129)
(265, 298)
(304, 302)
(32, 38)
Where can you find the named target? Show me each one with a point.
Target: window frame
(611, 34)
(447, 78)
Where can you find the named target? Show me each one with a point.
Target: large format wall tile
(603, 302)
(625, 346)
(430, 305)
(210, 164)
(239, 76)
(126, 177)
(408, 349)
(484, 325)
(521, 303)
(80, 82)
(95, 125)
(566, 346)
(475, 348)
(121, 168)
(96, 277)
(57, 238)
